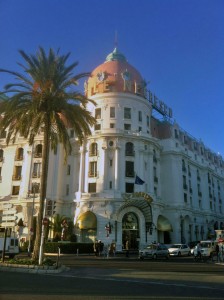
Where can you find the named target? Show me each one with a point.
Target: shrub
(68, 247)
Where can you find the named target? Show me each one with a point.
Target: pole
(34, 196)
(4, 245)
(42, 236)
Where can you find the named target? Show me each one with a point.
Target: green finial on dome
(115, 55)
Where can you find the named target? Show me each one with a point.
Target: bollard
(59, 251)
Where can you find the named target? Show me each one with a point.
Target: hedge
(68, 247)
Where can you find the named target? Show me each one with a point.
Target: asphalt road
(118, 278)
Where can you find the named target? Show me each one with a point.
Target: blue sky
(177, 45)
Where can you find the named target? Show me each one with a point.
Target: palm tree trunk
(43, 188)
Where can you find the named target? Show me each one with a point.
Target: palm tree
(44, 98)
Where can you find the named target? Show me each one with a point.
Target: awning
(87, 220)
(163, 224)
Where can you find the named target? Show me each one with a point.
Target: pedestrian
(113, 249)
(100, 247)
(127, 248)
(220, 252)
(217, 252)
(95, 247)
(197, 251)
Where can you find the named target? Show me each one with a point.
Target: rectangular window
(140, 116)
(98, 113)
(97, 126)
(129, 169)
(17, 173)
(111, 162)
(67, 189)
(127, 113)
(147, 120)
(139, 129)
(127, 126)
(185, 197)
(0, 174)
(15, 190)
(129, 187)
(68, 169)
(110, 185)
(36, 170)
(92, 187)
(111, 125)
(112, 112)
(93, 169)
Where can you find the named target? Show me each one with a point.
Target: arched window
(93, 149)
(38, 151)
(129, 149)
(19, 154)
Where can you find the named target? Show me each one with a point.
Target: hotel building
(138, 177)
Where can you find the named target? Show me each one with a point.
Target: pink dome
(115, 75)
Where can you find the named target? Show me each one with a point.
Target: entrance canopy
(163, 224)
(87, 220)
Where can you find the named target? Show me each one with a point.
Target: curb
(33, 269)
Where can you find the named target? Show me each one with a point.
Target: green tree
(56, 226)
(44, 98)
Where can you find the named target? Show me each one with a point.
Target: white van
(207, 248)
(11, 246)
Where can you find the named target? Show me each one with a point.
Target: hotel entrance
(130, 231)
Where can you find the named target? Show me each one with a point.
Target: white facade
(181, 199)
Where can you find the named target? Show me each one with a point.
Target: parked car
(179, 250)
(154, 251)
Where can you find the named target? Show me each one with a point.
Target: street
(119, 278)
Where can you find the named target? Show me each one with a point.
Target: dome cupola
(115, 75)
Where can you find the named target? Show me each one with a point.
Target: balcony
(35, 175)
(16, 177)
(37, 155)
(93, 153)
(19, 158)
(129, 153)
(129, 174)
(92, 174)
